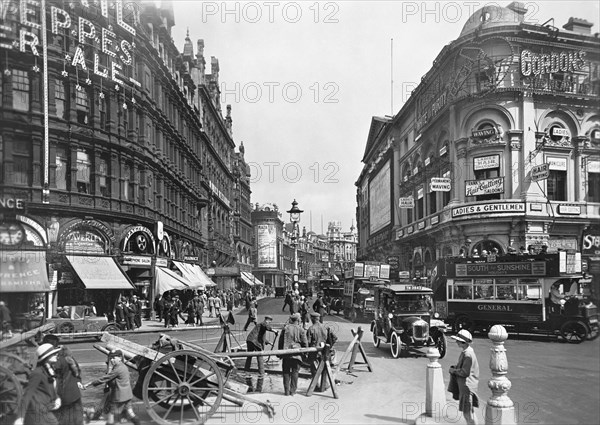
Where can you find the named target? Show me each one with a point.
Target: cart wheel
(440, 344)
(574, 332)
(395, 345)
(16, 365)
(179, 381)
(11, 393)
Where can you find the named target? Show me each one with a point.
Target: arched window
(487, 247)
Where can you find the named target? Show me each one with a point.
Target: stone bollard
(500, 409)
(435, 390)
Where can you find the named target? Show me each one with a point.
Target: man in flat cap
(256, 342)
(317, 337)
(293, 337)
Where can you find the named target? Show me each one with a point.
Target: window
(84, 167)
(486, 174)
(131, 186)
(593, 185)
(446, 195)
(21, 169)
(103, 179)
(432, 202)
(82, 106)
(556, 184)
(125, 182)
(102, 110)
(59, 98)
(460, 290)
(61, 168)
(20, 89)
(420, 204)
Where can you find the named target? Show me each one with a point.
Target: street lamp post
(295, 219)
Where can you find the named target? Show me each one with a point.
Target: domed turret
(492, 15)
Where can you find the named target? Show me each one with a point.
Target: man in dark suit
(293, 337)
(120, 314)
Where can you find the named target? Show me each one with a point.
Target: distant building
(342, 244)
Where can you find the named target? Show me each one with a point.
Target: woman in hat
(466, 373)
(40, 397)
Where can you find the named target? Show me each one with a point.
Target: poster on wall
(379, 199)
(266, 236)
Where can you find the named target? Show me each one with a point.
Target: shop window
(84, 167)
(82, 106)
(20, 90)
(60, 99)
(593, 185)
(103, 177)
(557, 185)
(62, 168)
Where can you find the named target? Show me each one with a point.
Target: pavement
(364, 397)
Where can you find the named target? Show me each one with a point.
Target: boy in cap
(120, 389)
(466, 373)
(256, 342)
(40, 398)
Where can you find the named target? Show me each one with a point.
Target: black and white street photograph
(299, 212)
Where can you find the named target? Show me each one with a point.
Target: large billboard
(266, 236)
(379, 200)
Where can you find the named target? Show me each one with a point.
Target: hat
(315, 314)
(463, 336)
(45, 351)
(115, 353)
(268, 318)
(295, 316)
(50, 339)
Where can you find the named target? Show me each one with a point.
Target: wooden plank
(285, 352)
(24, 336)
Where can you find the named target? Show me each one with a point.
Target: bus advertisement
(529, 293)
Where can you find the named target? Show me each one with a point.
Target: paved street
(552, 382)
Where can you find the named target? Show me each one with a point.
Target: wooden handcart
(179, 381)
(17, 359)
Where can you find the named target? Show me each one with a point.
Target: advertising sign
(534, 268)
(493, 208)
(440, 184)
(484, 187)
(379, 200)
(540, 172)
(266, 236)
(486, 162)
(408, 202)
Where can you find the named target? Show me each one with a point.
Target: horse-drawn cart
(16, 362)
(179, 381)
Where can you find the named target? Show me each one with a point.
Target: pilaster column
(579, 170)
(460, 170)
(515, 168)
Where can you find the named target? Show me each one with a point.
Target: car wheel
(574, 332)
(395, 345)
(463, 322)
(376, 340)
(111, 327)
(440, 344)
(66, 328)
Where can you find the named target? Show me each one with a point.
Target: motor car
(80, 318)
(404, 318)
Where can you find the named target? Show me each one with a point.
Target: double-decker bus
(475, 293)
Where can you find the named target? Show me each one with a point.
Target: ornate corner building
(113, 143)
(497, 147)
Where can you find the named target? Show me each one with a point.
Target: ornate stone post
(435, 390)
(500, 409)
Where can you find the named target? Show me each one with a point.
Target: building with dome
(498, 147)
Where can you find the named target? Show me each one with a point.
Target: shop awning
(167, 280)
(23, 271)
(198, 279)
(250, 279)
(99, 272)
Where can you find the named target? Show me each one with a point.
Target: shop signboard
(540, 172)
(408, 202)
(440, 184)
(484, 187)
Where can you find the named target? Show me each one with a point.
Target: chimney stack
(579, 25)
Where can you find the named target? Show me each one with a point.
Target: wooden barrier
(353, 349)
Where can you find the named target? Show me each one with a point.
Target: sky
(305, 78)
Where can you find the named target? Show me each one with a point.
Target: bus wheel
(463, 322)
(395, 345)
(574, 332)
